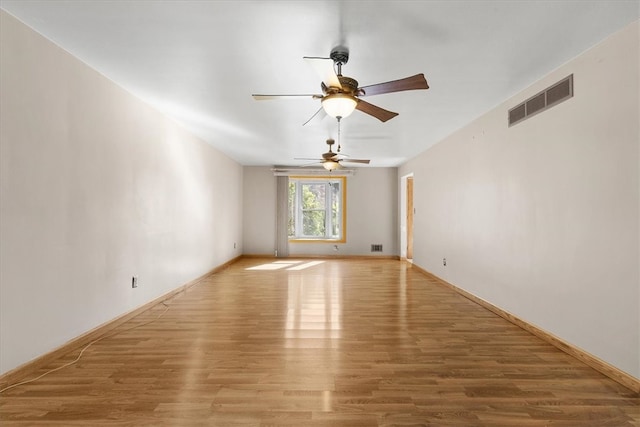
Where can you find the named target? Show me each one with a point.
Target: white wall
(542, 219)
(372, 199)
(96, 187)
(259, 207)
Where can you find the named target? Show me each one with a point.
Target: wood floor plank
(340, 343)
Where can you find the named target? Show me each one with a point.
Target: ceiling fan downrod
(340, 56)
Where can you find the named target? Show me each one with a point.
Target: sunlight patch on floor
(306, 265)
(288, 265)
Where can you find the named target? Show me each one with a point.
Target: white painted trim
(311, 172)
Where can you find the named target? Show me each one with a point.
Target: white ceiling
(200, 61)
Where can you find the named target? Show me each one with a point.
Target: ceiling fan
(331, 161)
(341, 94)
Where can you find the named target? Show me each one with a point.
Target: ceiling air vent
(541, 101)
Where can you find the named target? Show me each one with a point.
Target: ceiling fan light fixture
(339, 104)
(330, 165)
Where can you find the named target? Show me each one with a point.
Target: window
(317, 208)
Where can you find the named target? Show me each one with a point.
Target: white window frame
(299, 181)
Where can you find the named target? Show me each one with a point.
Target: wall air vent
(541, 101)
(376, 248)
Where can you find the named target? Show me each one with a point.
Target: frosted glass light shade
(339, 105)
(330, 165)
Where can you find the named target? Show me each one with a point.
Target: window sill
(332, 241)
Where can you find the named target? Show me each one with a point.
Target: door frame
(405, 233)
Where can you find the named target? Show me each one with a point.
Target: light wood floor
(321, 343)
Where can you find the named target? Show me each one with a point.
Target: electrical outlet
(234, 245)
(444, 262)
(134, 282)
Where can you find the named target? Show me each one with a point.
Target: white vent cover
(543, 100)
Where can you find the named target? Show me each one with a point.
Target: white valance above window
(311, 172)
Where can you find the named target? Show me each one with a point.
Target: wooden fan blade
(409, 83)
(375, 111)
(324, 69)
(356, 161)
(317, 116)
(259, 97)
(316, 163)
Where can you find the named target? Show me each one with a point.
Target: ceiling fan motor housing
(349, 85)
(329, 154)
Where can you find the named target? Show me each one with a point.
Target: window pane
(335, 210)
(313, 196)
(313, 223)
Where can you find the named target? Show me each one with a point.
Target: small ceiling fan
(331, 161)
(341, 94)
